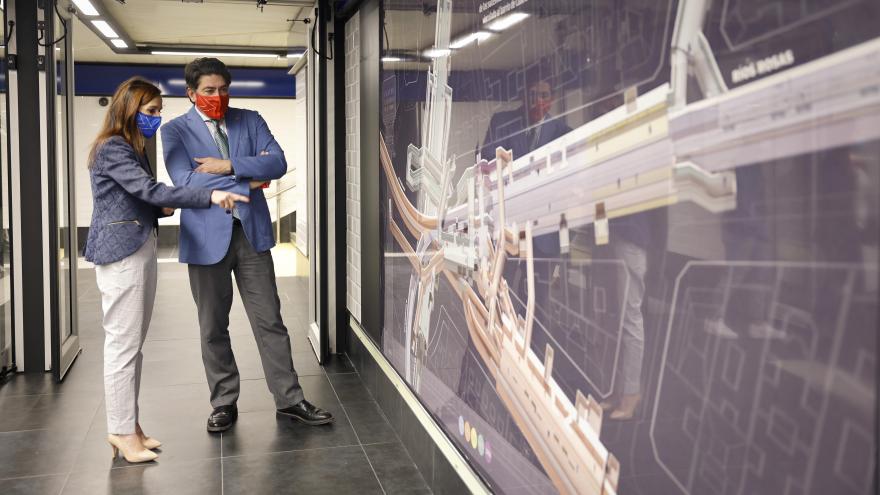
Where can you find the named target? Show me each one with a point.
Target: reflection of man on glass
(630, 237)
(528, 127)
(521, 131)
(524, 130)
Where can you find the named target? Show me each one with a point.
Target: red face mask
(213, 106)
(539, 110)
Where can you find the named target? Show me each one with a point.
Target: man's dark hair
(205, 67)
(538, 75)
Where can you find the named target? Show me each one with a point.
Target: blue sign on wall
(96, 79)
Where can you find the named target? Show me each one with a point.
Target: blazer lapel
(200, 129)
(233, 129)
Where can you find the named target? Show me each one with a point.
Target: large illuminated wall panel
(631, 246)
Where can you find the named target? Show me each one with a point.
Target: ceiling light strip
(105, 28)
(462, 42)
(86, 7)
(508, 21)
(215, 54)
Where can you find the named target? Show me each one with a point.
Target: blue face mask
(148, 124)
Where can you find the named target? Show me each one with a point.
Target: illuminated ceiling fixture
(392, 59)
(470, 38)
(105, 29)
(247, 84)
(295, 55)
(235, 84)
(86, 7)
(508, 21)
(215, 54)
(118, 43)
(437, 52)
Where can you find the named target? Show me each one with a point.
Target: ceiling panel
(174, 23)
(212, 23)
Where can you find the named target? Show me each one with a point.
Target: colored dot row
(475, 439)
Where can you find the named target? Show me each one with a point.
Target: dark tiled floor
(52, 436)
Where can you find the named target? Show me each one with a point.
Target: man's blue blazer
(205, 234)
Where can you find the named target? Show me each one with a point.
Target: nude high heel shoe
(130, 454)
(627, 407)
(149, 442)
(608, 404)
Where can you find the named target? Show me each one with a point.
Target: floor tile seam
(385, 417)
(27, 430)
(375, 444)
(406, 451)
(32, 476)
(400, 441)
(356, 436)
(372, 397)
(152, 387)
(373, 469)
(16, 396)
(347, 446)
(128, 465)
(64, 485)
(82, 443)
(222, 488)
(264, 378)
(152, 339)
(361, 403)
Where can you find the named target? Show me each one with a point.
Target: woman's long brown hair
(121, 119)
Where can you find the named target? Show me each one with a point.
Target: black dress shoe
(307, 413)
(222, 418)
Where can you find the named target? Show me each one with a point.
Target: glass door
(313, 197)
(65, 338)
(7, 359)
(316, 67)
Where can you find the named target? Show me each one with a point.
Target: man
(528, 127)
(521, 131)
(524, 130)
(217, 147)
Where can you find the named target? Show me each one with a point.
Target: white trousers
(128, 289)
(632, 352)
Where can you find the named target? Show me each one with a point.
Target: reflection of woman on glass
(122, 245)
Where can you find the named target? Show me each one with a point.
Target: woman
(122, 245)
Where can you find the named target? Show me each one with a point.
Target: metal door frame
(63, 353)
(8, 363)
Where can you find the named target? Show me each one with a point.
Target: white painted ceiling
(239, 23)
(174, 23)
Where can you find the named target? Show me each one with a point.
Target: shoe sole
(304, 421)
(219, 429)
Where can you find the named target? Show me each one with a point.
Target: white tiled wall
(353, 163)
